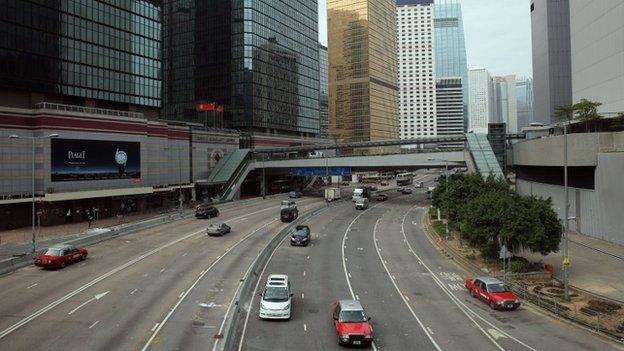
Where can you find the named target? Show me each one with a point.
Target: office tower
(450, 47)
(524, 98)
(597, 53)
(416, 58)
(260, 62)
(506, 110)
(88, 53)
(450, 108)
(362, 70)
(550, 38)
(323, 92)
(480, 100)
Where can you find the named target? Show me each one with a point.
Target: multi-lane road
(168, 288)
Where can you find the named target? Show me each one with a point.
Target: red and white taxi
(60, 256)
(493, 292)
(352, 325)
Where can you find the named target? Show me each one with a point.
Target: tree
(565, 112)
(587, 111)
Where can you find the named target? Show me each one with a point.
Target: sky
(498, 34)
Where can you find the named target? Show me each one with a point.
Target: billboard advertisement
(79, 160)
(320, 171)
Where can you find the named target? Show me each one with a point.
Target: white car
(276, 298)
(218, 229)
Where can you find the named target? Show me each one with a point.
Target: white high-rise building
(480, 100)
(416, 58)
(505, 101)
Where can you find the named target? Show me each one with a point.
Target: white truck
(332, 194)
(359, 193)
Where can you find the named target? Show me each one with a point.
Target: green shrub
(521, 266)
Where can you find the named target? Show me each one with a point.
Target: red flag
(205, 106)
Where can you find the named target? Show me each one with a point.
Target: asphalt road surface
(119, 296)
(169, 287)
(414, 295)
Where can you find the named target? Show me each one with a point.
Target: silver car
(218, 229)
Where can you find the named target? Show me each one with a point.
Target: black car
(206, 211)
(294, 194)
(300, 236)
(289, 214)
(382, 197)
(406, 191)
(372, 188)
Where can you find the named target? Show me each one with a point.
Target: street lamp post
(566, 259)
(33, 139)
(445, 185)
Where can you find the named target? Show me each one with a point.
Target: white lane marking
(305, 327)
(495, 334)
(308, 257)
(392, 279)
(304, 273)
(115, 270)
(181, 294)
(185, 294)
(162, 270)
(155, 326)
(32, 286)
(430, 331)
(302, 296)
(94, 324)
(463, 307)
(133, 291)
(357, 297)
(184, 254)
(94, 298)
(349, 274)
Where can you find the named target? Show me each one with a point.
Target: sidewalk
(12, 241)
(596, 265)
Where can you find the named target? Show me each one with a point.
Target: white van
(276, 298)
(357, 194)
(361, 203)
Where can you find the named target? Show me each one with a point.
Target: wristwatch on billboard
(121, 158)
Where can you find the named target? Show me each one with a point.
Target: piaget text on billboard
(79, 160)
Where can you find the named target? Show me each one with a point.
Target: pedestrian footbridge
(477, 156)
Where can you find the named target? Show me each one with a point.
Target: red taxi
(352, 325)
(60, 256)
(493, 292)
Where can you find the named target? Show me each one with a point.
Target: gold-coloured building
(363, 89)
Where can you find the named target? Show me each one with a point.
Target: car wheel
(472, 293)
(83, 257)
(62, 264)
(492, 305)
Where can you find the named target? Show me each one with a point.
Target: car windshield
(275, 294)
(496, 288)
(53, 252)
(352, 316)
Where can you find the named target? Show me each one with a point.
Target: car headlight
(304, 239)
(286, 308)
(262, 306)
(368, 336)
(500, 302)
(49, 261)
(516, 301)
(344, 337)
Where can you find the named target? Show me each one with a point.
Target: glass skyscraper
(258, 60)
(524, 94)
(323, 91)
(450, 47)
(107, 51)
(363, 87)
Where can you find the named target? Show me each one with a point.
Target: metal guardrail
(242, 300)
(92, 110)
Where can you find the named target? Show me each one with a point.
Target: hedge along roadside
(236, 312)
(517, 288)
(14, 263)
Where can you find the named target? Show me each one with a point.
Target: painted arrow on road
(94, 298)
(496, 334)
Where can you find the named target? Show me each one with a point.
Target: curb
(470, 267)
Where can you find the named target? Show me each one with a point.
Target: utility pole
(566, 258)
(263, 178)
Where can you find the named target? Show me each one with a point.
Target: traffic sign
(566, 261)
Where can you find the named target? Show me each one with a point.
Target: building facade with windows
(450, 108)
(104, 54)
(524, 98)
(323, 92)
(480, 100)
(550, 40)
(257, 60)
(362, 54)
(505, 102)
(417, 68)
(450, 47)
